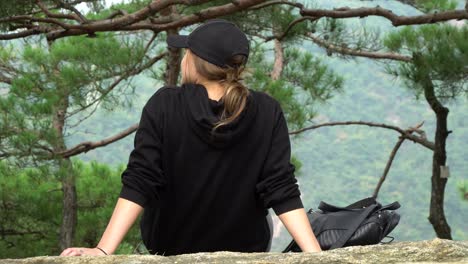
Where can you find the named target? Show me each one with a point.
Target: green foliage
(18, 7)
(439, 52)
(193, 9)
(77, 71)
(29, 212)
(31, 206)
(436, 5)
(304, 83)
(297, 164)
(81, 70)
(129, 6)
(98, 187)
(26, 7)
(463, 189)
(272, 21)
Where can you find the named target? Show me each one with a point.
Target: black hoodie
(204, 192)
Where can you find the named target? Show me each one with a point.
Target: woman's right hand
(80, 251)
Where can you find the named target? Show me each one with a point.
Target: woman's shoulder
(163, 95)
(167, 90)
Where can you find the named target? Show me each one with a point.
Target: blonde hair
(235, 92)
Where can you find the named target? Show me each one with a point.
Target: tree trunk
(67, 179)
(69, 209)
(173, 59)
(436, 215)
(279, 60)
(278, 64)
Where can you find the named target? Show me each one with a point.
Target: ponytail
(234, 98)
(235, 92)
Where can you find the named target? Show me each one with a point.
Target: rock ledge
(426, 251)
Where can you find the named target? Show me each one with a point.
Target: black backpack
(364, 222)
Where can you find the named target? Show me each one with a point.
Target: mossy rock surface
(426, 251)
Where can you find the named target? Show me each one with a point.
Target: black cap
(215, 41)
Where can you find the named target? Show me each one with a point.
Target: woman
(210, 158)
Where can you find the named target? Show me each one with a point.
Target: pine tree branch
(112, 24)
(85, 146)
(276, 2)
(396, 20)
(25, 33)
(290, 26)
(122, 77)
(342, 50)
(88, 145)
(116, 13)
(30, 19)
(360, 53)
(49, 14)
(208, 13)
(22, 154)
(140, 20)
(346, 12)
(70, 7)
(417, 139)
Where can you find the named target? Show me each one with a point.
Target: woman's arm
(298, 225)
(124, 215)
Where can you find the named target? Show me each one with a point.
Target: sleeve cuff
(132, 195)
(288, 205)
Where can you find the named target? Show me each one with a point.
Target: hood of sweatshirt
(202, 112)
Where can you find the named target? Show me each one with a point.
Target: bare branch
(417, 139)
(387, 167)
(393, 154)
(88, 145)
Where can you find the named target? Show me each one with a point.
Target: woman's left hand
(81, 251)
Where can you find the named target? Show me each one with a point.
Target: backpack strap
(288, 248)
(353, 226)
(392, 206)
(362, 203)
(357, 205)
